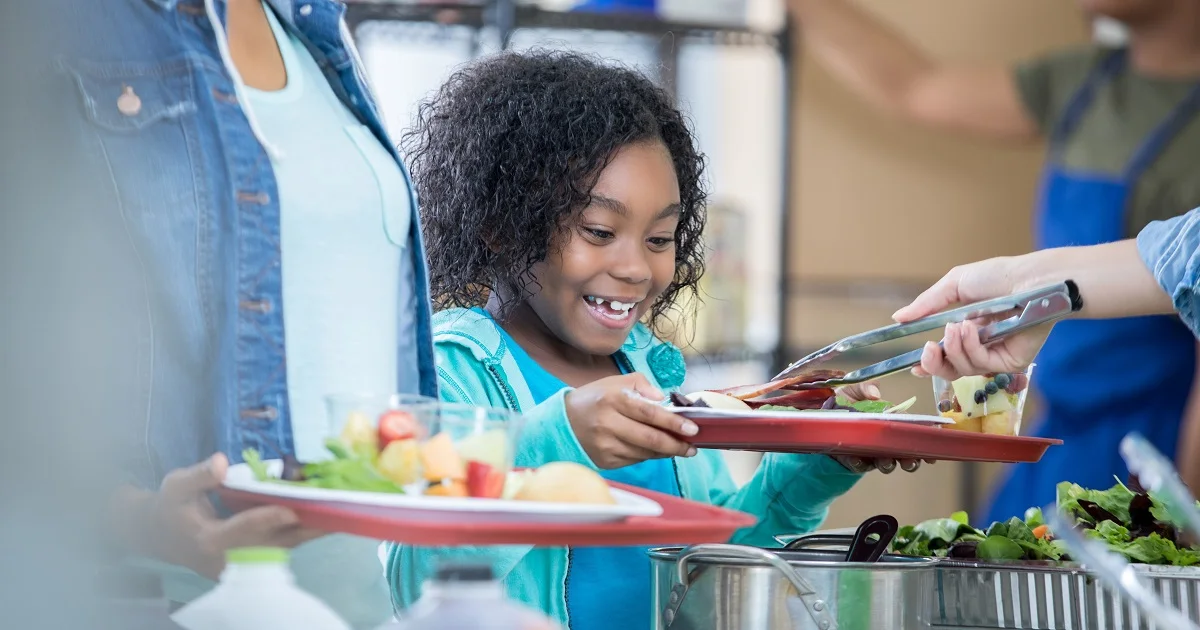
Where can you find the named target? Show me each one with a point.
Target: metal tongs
(1037, 307)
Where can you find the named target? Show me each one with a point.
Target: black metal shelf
(532, 17)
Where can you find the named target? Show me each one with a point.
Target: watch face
(1109, 32)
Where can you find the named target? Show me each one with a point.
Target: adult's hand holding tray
(856, 434)
(675, 521)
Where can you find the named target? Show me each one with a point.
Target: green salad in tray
(844, 404)
(1132, 523)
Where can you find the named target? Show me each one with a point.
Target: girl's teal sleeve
(790, 494)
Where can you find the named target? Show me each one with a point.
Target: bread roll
(565, 482)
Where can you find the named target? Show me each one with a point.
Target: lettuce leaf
(865, 406)
(1115, 500)
(256, 464)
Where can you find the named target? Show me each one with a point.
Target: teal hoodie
(789, 494)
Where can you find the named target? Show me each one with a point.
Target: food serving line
(827, 581)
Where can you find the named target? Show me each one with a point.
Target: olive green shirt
(1123, 113)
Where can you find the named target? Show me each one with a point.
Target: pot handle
(817, 608)
(814, 540)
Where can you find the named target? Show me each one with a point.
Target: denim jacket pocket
(393, 187)
(128, 97)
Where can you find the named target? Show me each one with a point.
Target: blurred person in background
(1123, 133)
(217, 176)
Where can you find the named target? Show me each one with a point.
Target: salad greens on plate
(862, 406)
(1133, 524)
(348, 470)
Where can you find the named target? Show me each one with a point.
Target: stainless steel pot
(730, 587)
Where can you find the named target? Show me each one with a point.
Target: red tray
(865, 438)
(681, 523)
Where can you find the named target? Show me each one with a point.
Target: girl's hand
(178, 524)
(885, 465)
(617, 429)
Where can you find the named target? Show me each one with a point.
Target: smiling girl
(562, 203)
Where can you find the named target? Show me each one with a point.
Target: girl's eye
(661, 242)
(598, 234)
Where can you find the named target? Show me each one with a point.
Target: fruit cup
(430, 447)
(991, 404)
(464, 451)
(356, 417)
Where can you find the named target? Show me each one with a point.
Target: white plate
(833, 414)
(240, 477)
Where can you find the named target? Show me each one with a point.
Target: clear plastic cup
(429, 447)
(340, 407)
(466, 450)
(994, 403)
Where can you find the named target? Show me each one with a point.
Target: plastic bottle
(257, 591)
(467, 596)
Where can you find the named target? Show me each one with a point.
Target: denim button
(306, 10)
(265, 413)
(129, 103)
(262, 306)
(260, 198)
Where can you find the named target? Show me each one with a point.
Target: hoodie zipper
(567, 585)
(510, 399)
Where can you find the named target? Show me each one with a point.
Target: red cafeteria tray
(863, 438)
(681, 523)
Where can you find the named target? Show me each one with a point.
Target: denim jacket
(1171, 250)
(159, 112)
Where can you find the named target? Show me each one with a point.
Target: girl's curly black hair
(505, 155)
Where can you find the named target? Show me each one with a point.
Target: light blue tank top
(342, 236)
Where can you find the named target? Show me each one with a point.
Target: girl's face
(607, 268)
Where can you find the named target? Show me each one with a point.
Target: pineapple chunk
(999, 423)
(964, 392)
(360, 436)
(962, 422)
(490, 447)
(999, 402)
(400, 462)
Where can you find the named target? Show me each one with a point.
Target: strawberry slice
(484, 481)
(397, 425)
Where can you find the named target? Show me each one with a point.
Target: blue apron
(1099, 380)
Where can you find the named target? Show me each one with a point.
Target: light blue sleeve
(1171, 251)
(790, 494)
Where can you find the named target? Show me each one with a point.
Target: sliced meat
(679, 400)
(747, 392)
(803, 399)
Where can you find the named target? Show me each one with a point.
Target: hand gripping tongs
(1037, 307)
